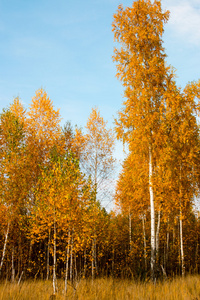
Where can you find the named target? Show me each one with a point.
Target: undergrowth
(104, 289)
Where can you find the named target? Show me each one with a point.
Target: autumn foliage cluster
(51, 219)
(52, 178)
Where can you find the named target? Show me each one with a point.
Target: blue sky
(66, 47)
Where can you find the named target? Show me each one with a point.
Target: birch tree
(97, 159)
(141, 68)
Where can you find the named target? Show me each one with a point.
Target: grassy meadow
(104, 289)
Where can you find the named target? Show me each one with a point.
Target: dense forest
(53, 178)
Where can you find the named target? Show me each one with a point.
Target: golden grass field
(105, 289)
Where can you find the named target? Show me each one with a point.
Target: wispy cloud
(185, 19)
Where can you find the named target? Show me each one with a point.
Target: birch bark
(48, 254)
(181, 224)
(92, 259)
(181, 245)
(54, 257)
(13, 266)
(153, 244)
(130, 237)
(4, 247)
(67, 262)
(71, 257)
(157, 234)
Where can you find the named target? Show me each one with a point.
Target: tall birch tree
(141, 68)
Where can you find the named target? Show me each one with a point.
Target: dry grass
(105, 289)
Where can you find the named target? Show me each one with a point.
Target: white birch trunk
(95, 174)
(157, 234)
(167, 250)
(92, 259)
(181, 245)
(4, 247)
(71, 257)
(130, 237)
(13, 267)
(75, 268)
(67, 262)
(49, 239)
(181, 225)
(54, 258)
(153, 244)
(20, 278)
(95, 255)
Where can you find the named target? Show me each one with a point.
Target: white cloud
(184, 19)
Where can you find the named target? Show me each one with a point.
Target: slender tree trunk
(95, 173)
(49, 240)
(18, 261)
(157, 234)
(71, 257)
(197, 246)
(94, 246)
(95, 256)
(167, 249)
(181, 224)
(75, 268)
(145, 244)
(67, 262)
(20, 278)
(181, 245)
(153, 246)
(174, 235)
(4, 247)
(54, 258)
(29, 255)
(165, 255)
(20, 270)
(13, 266)
(130, 229)
(85, 257)
(92, 259)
